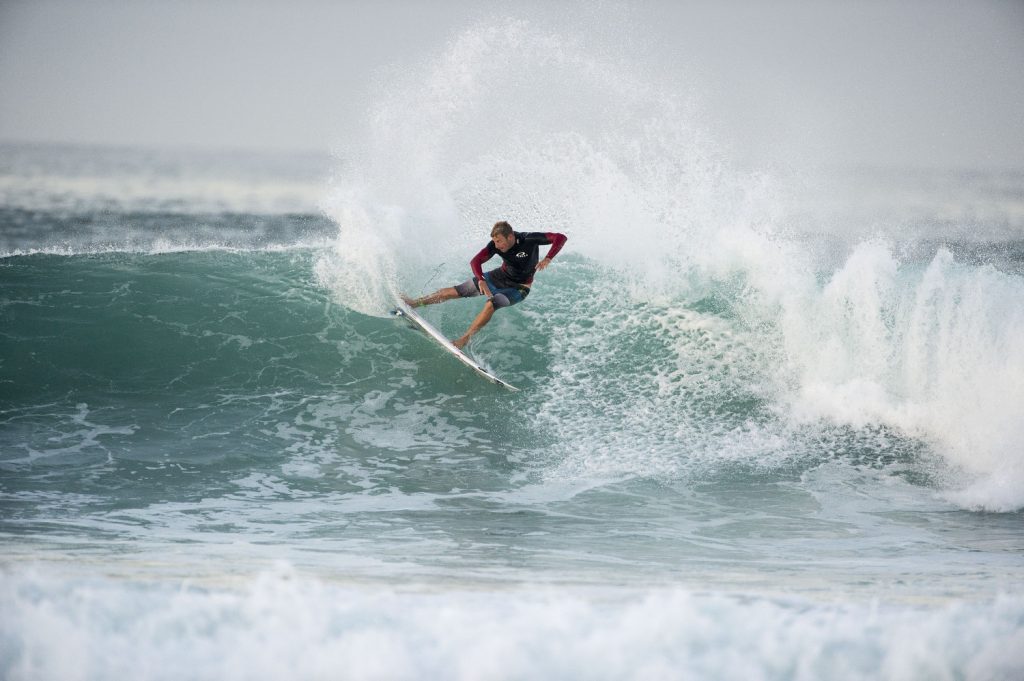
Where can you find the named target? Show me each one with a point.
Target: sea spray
(505, 124)
(285, 624)
(509, 122)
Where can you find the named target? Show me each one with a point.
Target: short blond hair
(501, 228)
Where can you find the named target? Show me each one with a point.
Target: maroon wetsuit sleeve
(476, 264)
(557, 241)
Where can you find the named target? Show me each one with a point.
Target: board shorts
(504, 293)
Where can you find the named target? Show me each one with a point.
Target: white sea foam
(80, 434)
(936, 352)
(282, 625)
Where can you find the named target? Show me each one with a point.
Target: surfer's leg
(466, 289)
(436, 297)
(478, 323)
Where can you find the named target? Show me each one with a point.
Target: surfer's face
(503, 243)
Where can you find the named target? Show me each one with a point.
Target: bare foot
(460, 343)
(408, 301)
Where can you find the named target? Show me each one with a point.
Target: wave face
(754, 415)
(916, 364)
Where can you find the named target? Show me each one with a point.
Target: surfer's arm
(477, 264)
(557, 240)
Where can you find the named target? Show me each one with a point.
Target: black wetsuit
(520, 261)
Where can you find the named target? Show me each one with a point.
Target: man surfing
(505, 286)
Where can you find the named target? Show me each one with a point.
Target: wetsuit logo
(521, 254)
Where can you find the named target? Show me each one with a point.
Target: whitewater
(769, 426)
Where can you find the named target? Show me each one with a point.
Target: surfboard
(403, 310)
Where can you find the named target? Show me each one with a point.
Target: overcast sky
(915, 82)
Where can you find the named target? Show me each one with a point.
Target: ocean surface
(770, 425)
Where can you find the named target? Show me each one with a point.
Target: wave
(879, 363)
(932, 350)
(72, 179)
(282, 624)
(707, 323)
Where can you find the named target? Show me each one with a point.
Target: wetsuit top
(520, 261)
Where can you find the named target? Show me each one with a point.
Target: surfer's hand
(484, 289)
(543, 263)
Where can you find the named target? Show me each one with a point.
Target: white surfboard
(403, 310)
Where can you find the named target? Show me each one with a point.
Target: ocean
(770, 424)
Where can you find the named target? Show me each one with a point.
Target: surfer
(505, 286)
